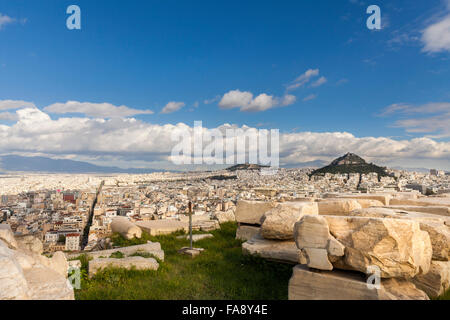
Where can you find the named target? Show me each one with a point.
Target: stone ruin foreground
(342, 247)
(356, 246)
(25, 274)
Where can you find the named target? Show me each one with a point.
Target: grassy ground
(220, 272)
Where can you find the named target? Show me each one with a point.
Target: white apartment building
(73, 242)
(51, 236)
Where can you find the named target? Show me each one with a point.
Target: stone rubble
(26, 274)
(139, 263)
(126, 228)
(278, 223)
(403, 240)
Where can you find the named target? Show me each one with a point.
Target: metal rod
(190, 224)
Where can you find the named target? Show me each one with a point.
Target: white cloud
(172, 107)
(245, 101)
(307, 75)
(436, 37)
(404, 38)
(96, 110)
(428, 118)
(432, 107)
(15, 104)
(235, 98)
(209, 101)
(262, 102)
(319, 82)
(8, 116)
(134, 140)
(288, 99)
(310, 97)
(5, 20)
(303, 79)
(309, 145)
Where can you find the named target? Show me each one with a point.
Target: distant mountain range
(308, 164)
(421, 170)
(350, 163)
(246, 166)
(43, 164)
(12, 163)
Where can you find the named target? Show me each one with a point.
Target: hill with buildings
(350, 163)
(246, 166)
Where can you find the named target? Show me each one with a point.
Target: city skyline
(112, 93)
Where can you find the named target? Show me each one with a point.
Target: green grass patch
(119, 241)
(117, 255)
(220, 272)
(145, 255)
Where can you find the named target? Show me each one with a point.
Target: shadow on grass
(220, 272)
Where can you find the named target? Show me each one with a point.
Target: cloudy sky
(113, 92)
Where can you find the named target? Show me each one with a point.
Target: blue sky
(392, 83)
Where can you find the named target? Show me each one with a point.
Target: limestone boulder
(46, 284)
(312, 236)
(397, 246)
(317, 258)
(282, 251)
(251, 212)
(440, 239)
(337, 206)
(161, 227)
(206, 225)
(306, 284)
(368, 203)
(278, 223)
(126, 228)
(435, 225)
(13, 285)
(58, 262)
(25, 261)
(400, 289)
(311, 232)
(388, 212)
(23, 276)
(383, 198)
(30, 244)
(436, 281)
(245, 232)
(425, 201)
(442, 211)
(153, 248)
(335, 248)
(139, 263)
(7, 236)
(224, 216)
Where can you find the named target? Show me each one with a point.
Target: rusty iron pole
(190, 224)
